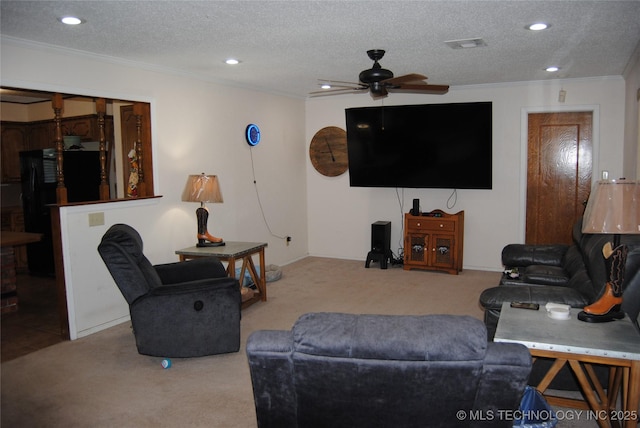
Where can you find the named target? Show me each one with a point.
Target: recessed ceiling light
(538, 26)
(71, 20)
(232, 61)
(552, 68)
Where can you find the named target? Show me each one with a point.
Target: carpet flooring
(101, 380)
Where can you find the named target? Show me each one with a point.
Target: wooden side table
(230, 252)
(581, 344)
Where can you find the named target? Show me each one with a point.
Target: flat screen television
(445, 146)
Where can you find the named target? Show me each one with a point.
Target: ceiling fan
(380, 81)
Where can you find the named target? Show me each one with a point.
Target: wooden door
(558, 174)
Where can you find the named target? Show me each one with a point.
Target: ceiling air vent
(466, 43)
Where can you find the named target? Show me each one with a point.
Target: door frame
(524, 127)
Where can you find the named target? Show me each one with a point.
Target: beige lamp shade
(202, 188)
(613, 207)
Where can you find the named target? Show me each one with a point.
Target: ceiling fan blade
(414, 77)
(350, 86)
(340, 91)
(422, 89)
(339, 82)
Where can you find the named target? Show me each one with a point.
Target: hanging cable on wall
(453, 199)
(264, 217)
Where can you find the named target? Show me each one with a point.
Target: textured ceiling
(286, 46)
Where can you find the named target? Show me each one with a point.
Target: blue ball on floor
(166, 363)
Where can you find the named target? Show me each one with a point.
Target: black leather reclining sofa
(570, 274)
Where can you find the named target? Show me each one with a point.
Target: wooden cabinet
(85, 127)
(434, 241)
(19, 136)
(13, 139)
(41, 135)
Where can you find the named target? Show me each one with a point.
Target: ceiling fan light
(325, 86)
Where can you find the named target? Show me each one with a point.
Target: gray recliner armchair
(344, 370)
(182, 309)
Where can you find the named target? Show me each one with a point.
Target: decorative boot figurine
(607, 307)
(205, 239)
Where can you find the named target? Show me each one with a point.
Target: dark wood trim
(101, 109)
(61, 288)
(138, 111)
(109, 201)
(61, 190)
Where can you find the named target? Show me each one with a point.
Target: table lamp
(203, 188)
(613, 208)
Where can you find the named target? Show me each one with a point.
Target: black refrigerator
(38, 176)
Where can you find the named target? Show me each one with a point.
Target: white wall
(340, 217)
(197, 127)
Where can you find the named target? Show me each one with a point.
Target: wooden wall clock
(328, 151)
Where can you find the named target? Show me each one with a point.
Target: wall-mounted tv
(445, 146)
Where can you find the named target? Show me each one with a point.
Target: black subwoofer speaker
(380, 243)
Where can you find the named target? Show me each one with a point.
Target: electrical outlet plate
(96, 219)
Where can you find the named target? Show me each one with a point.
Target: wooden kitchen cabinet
(434, 241)
(41, 135)
(85, 127)
(13, 139)
(19, 136)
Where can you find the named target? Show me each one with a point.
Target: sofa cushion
(492, 298)
(591, 248)
(413, 338)
(520, 255)
(573, 262)
(545, 275)
(582, 284)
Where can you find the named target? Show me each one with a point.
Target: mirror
(31, 120)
